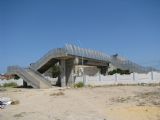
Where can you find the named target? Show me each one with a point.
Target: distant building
(7, 77)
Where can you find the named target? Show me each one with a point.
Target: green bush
(79, 85)
(16, 77)
(119, 71)
(12, 84)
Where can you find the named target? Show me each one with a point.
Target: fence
(19, 81)
(133, 78)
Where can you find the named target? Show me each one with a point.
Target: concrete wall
(88, 70)
(19, 82)
(52, 80)
(134, 78)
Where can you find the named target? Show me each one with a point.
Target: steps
(30, 76)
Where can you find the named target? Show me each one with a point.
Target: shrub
(79, 85)
(16, 77)
(91, 86)
(121, 72)
(12, 84)
(57, 94)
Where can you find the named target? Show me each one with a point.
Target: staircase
(35, 79)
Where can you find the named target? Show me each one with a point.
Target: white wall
(134, 78)
(19, 81)
(52, 80)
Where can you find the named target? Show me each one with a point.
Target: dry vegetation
(57, 94)
(142, 99)
(15, 102)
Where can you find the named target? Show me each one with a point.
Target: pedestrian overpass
(67, 58)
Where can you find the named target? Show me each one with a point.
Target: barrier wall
(19, 81)
(133, 78)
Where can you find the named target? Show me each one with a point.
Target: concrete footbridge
(68, 57)
(71, 53)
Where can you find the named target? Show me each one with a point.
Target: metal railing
(70, 50)
(117, 61)
(125, 64)
(24, 75)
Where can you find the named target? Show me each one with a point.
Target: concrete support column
(24, 84)
(63, 73)
(70, 72)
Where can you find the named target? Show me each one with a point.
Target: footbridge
(67, 58)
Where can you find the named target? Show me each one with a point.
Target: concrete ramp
(31, 77)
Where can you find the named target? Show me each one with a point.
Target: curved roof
(86, 53)
(70, 50)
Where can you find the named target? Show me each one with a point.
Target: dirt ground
(98, 103)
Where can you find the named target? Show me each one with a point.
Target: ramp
(35, 79)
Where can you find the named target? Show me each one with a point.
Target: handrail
(70, 50)
(40, 76)
(22, 73)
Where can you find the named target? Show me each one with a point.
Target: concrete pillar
(69, 72)
(63, 73)
(24, 84)
(58, 83)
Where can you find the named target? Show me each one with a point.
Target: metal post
(82, 65)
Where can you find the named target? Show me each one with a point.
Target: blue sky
(30, 28)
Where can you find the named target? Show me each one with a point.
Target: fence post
(99, 76)
(84, 79)
(134, 77)
(116, 77)
(152, 76)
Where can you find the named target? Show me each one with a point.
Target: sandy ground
(99, 103)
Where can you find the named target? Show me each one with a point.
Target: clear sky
(30, 28)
